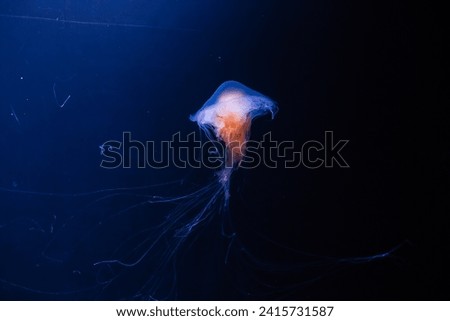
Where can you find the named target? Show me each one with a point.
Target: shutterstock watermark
(187, 151)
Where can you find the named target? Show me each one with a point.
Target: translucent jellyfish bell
(228, 114)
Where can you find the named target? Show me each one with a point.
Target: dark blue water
(76, 74)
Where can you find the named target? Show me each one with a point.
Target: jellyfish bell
(227, 116)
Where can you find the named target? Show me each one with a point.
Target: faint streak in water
(93, 23)
(56, 99)
(13, 114)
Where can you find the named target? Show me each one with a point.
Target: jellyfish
(227, 117)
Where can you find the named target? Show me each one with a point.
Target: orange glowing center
(234, 134)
